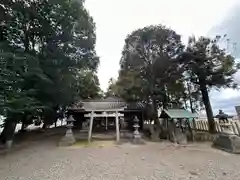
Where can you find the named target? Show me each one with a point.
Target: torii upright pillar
(90, 127)
(117, 127)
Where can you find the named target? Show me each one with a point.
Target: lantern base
(137, 138)
(138, 141)
(67, 140)
(9, 144)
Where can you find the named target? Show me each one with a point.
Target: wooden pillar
(194, 124)
(90, 127)
(190, 129)
(106, 122)
(117, 127)
(172, 127)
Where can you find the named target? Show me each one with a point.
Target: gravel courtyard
(151, 161)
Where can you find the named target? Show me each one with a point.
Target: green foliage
(45, 49)
(113, 89)
(128, 86)
(156, 69)
(87, 86)
(192, 97)
(208, 66)
(147, 66)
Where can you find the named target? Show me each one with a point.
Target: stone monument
(69, 138)
(137, 139)
(226, 140)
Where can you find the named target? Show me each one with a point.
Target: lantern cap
(70, 119)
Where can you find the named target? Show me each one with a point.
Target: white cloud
(117, 18)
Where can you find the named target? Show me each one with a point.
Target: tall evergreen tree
(208, 66)
(149, 53)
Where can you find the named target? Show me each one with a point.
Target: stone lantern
(69, 138)
(226, 140)
(136, 135)
(225, 125)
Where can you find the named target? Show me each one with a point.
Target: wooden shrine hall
(106, 113)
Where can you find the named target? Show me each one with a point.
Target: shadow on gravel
(38, 137)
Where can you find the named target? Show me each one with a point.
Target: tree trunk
(207, 104)
(8, 131)
(155, 112)
(3, 135)
(165, 98)
(157, 125)
(44, 126)
(23, 126)
(157, 128)
(190, 99)
(185, 103)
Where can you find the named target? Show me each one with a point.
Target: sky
(227, 99)
(115, 19)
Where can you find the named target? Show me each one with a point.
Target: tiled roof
(136, 105)
(101, 104)
(177, 113)
(110, 103)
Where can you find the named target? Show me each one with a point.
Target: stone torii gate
(105, 114)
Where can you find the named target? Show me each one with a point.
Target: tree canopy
(158, 69)
(208, 66)
(47, 56)
(147, 68)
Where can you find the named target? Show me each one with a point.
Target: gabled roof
(177, 113)
(104, 105)
(110, 103)
(107, 104)
(108, 99)
(135, 105)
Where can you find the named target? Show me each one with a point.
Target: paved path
(152, 161)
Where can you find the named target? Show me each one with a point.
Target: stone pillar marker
(69, 138)
(137, 139)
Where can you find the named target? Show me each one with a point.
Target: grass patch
(83, 143)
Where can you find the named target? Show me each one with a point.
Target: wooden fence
(202, 125)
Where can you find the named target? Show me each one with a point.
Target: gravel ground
(151, 161)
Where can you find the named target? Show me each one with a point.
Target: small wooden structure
(177, 119)
(103, 112)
